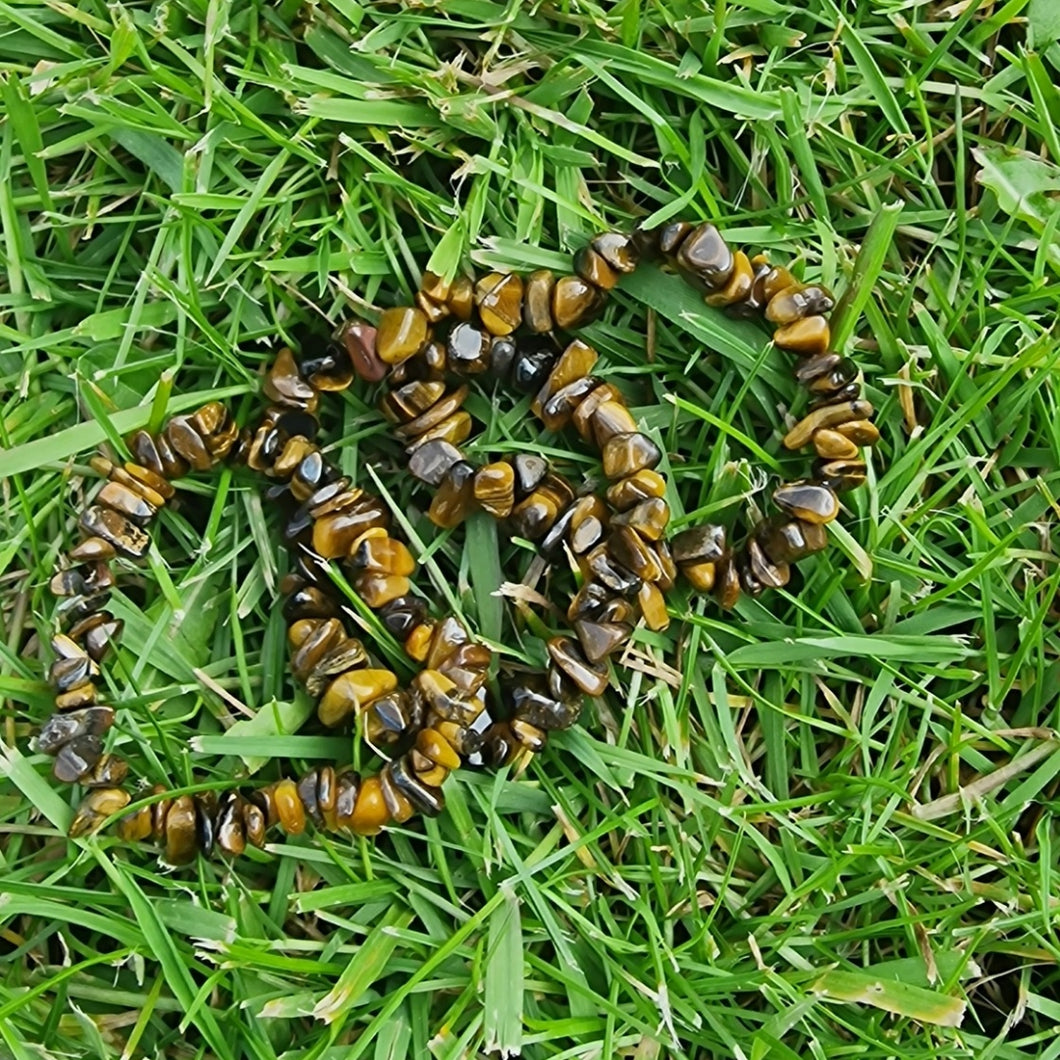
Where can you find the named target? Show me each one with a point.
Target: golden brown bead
(435, 287)
(290, 813)
(333, 534)
(92, 549)
(313, 644)
(431, 744)
(454, 430)
(649, 518)
(411, 400)
(452, 502)
(574, 302)
(583, 415)
(461, 298)
(383, 554)
(351, 692)
(370, 813)
(653, 607)
(700, 575)
(772, 282)
(294, 451)
(769, 574)
(188, 443)
(574, 363)
(727, 584)
(402, 332)
(627, 453)
(418, 642)
(537, 301)
(95, 808)
(592, 268)
(629, 549)
(494, 488)
(436, 414)
(807, 337)
(378, 589)
(860, 432)
(180, 837)
(398, 807)
(617, 249)
(499, 297)
(831, 445)
(641, 486)
(825, 416)
(738, 286)
(135, 827)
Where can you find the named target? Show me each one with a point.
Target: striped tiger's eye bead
(461, 300)
(438, 413)
(840, 476)
(797, 302)
(499, 297)
(431, 744)
(825, 416)
(653, 607)
(431, 461)
(592, 268)
(377, 589)
(412, 399)
(285, 386)
(95, 808)
(769, 574)
(124, 536)
(290, 812)
(134, 827)
(92, 549)
(537, 301)
(401, 333)
(575, 302)
(627, 453)
(738, 286)
(399, 809)
(180, 831)
(351, 692)
(640, 486)
(808, 501)
(807, 337)
(494, 488)
(557, 410)
(860, 432)
(384, 555)
(576, 362)
(327, 368)
(786, 540)
(630, 550)
(454, 498)
(649, 518)
(530, 471)
(591, 678)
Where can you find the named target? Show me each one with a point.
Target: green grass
(823, 826)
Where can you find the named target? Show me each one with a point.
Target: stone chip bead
(786, 540)
(468, 350)
(627, 453)
(600, 639)
(401, 333)
(831, 445)
(351, 692)
(285, 386)
(640, 486)
(359, 339)
(124, 536)
(806, 337)
(575, 302)
(537, 301)
(592, 268)
(653, 607)
(648, 518)
(840, 476)
(808, 501)
(494, 488)
(453, 501)
(826, 416)
(575, 363)
(617, 249)
(499, 297)
(768, 573)
(797, 302)
(591, 678)
(95, 808)
(431, 461)
(706, 256)
(738, 286)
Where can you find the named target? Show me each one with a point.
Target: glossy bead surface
(401, 333)
(808, 501)
(738, 286)
(285, 386)
(452, 502)
(352, 692)
(124, 536)
(825, 416)
(359, 340)
(626, 454)
(468, 350)
(575, 302)
(537, 301)
(653, 607)
(591, 678)
(592, 268)
(797, 302)
(806, 337)
(431, 461)
(705, 255)
(617, 249)
(494, 488)
(499, 297)
(831, 445)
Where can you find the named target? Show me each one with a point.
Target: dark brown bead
(670, 237)
(327, 368)
(428, 800)
(446, 638)
(649, 518)
(789, 540)
(231, 831)
(92, 549)
(664, 557)
(401, 333)
(533, 516)
(142, 446)
(589, 518)
(533, 705)
(606, 570)
(576, 362)
(398, 807)
(126, 502)
(359, 339)
(588, 601)
(814, 368)
(67, 583)
(557, 410)
(749, 584)
(600, 639)
(797, 302)
(531, 367)
(97, 633)
(285, 386)
(850, 392)
(307, 792)
(625, 454)
(126, 537)
(705, 255)
(70, 672)
(768, 573)
(502, 356)
(840, 476)
(468, 350)
(575, 302)
(825, 416)
(347, 654)
(308, 602)
(617, 249)
(830, 384)
(727, 583)
(530, 471)
(499, 297)
(431, 461)
(592, 268)
(494, 488)
(455, 496)
(433, 311)
(808, 501)
(60, 729)
(583, 415)
(392, 717)
(401, 616)
(738, 287)
(180, 832)
(467, 666)
(76, 758)
(310, 640)
(537, 301)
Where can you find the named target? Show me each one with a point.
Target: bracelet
(501, 329)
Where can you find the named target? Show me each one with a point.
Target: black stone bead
(532, 365)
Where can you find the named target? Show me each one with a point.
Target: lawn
(824, 824)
